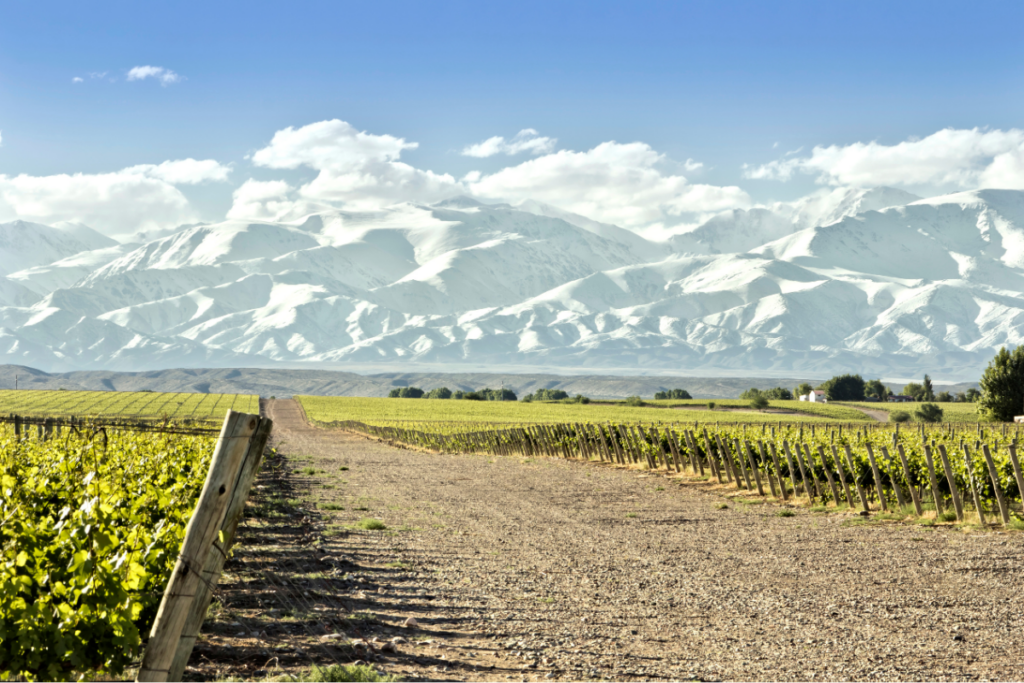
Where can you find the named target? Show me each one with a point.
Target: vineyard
(947, 472)
(90, 525)
(474, 415)
(126, 404)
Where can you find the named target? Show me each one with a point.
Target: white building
(815, 397)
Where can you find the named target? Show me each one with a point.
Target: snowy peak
(871, 281)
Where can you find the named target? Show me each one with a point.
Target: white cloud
(526, 140)
(948, 158)
(184, 171)
(692, 166)
(267, 200)
(165, 76)
(360, 169)
(613, 182)
(141, 197)
(78, 79)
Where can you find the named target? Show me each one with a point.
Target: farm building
(901, 399)
(815, 397)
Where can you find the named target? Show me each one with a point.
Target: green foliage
(749, 394)
(914, 390)
(1002, 386)
(488, 395)
(345, 673)
(440, 392)
(928, 412)
(943, 397)
(844, 388)
(546, 395)
(129, 405)
(406, 392)
(635, 401)
(804, 389)
(711, 405)
(759, 402)
(370, 524)
(90, 536)
(899, 416)
(972, 395)
(778, 394)
(875, 388)
(681, 394)
(929, 392)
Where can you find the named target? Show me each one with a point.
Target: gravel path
(547, 569)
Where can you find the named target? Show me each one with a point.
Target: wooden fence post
(219, 551)
(202, 531)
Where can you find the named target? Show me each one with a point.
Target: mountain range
(878, 282)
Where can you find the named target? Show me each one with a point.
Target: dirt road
(546, 569)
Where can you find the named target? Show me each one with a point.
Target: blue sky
(722, 84)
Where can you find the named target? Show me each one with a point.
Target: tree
(546, 395)
(778, 394)
(459, 395)
(440, 392)
(972, 395)
(1002, 386)
(914, 391)
(804, 389)
(943, 397)
(844, 388)
(750, 394)
(929, 392)
(634, 401)
(674, 394)
(759, 402)
(929, 412)
(711, 405)
(472, 396)
(874, 387)
(406, 392)
(899, 416)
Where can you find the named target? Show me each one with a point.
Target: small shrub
(306, 470)
(759, 402)
(370, 524)
(948, 516)
(356, 673)
(899, 416)
(630, 515)
(929, 412)
(1017, 524)
(711, 405)
(635, 401)
(342, 468)
(722, 506)
(332, 506)
(785, 513)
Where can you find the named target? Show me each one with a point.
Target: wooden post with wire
(203, 551)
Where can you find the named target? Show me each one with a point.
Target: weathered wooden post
(222, 481)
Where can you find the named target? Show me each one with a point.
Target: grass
(722, 506)
(332, 506)
(785, 513)
(951, 412)
(630, 515)
(306, 470)
(344, 672)
(343, 468)
(1017, 524)
(370, 524)
(947, 516)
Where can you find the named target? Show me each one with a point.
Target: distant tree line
(675, 394)
(445, 392)
(554, 395)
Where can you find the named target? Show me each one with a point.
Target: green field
(951, 412)
(125, 404)
(834, 412)
(474, 414)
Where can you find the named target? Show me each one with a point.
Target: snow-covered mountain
(872, 281)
